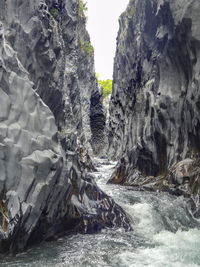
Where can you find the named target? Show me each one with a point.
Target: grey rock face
(154, 107)
(184, 179)
(47, 86)
(53, 46)
(31, 158)
(98, 124)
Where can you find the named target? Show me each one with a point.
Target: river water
(165, 235)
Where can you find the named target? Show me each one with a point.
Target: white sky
(103, 26)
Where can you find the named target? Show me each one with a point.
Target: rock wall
(154, 107)
(54, 47)
(48, 96)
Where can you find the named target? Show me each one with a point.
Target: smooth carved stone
(51, 107)
(154, 106)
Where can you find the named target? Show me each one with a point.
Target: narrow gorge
(52, 120)
(86, 185)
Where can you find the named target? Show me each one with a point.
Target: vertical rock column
(154, 107)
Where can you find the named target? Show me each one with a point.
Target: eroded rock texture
(53, 46)
(154, 108)
(48, 97)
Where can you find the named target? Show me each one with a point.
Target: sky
(103, 26)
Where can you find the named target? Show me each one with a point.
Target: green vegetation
(122, 49)
(134, 43)
(106, 85)
(130, 12)
(4, 214)
(87, 47)
(82, 7)
(54, 12)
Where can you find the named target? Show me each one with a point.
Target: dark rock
(50, 109)
(154, 111)
(98, 124)
(184, 177)
(95, 209)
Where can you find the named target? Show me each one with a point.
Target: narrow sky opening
(103, 26)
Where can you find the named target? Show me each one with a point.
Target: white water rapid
(164, 235)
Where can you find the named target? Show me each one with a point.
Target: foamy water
(164, 235)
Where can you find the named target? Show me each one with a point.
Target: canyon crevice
(51, 122)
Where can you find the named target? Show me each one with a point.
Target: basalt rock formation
(154, 107)
(50, 103)
(54, 47)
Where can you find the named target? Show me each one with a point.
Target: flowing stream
(165, 235)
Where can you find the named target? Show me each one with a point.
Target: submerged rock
(49, 97)
(154, 107)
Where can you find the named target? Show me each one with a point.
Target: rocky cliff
(154, 107)
(53, 46)
(51, 120)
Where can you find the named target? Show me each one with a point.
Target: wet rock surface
(49, 98)
(154, 110)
